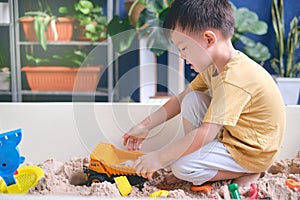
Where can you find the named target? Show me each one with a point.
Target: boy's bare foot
(247, 179)
(171, 179)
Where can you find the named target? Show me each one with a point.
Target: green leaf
(63, 10)
(157, 42)
(42, 33)
(36, 60)
(116, 26)
(257, 28)
(36, 23)
(163, 14)
(97, 10)
(100, 19)
(91, 28)
(85, 6)
(85, 20)
(121, 33)
(245, 40)
(56, 56)
(80, 53)
(149, 18)
(247, 21)
(259, 52)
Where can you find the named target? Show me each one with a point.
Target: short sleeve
(227, 104)
(198, 84)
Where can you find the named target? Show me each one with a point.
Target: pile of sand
(68, 179)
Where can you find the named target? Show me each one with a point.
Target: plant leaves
(63, 10)
(42, 33)
(121, 32)
(245, 40)
(258, 52)
(248, 22)
(84, 6)
(157, 42)
(91, 27)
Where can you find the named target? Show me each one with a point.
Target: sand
(67, 178)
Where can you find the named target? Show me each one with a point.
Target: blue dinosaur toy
(10, 158)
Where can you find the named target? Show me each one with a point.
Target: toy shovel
(26, 178)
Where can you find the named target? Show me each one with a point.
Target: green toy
(234, 191)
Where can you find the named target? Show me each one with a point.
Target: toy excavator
(108, 162)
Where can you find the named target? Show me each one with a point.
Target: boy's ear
(210, 38)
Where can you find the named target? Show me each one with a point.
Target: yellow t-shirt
(247, 102)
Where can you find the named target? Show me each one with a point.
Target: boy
(233, 113)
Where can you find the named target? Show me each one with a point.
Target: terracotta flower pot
(60, 78)
(64, 27)
(138, 8)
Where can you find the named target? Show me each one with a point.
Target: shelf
(99, 92)
(21, 45)
(4, 24)
(5, 92)
(104, 43)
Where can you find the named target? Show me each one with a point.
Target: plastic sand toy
(205, 188)
(14, 179)
(26, 178)
(234, 191)
(9, 155)
(159, 193)
(123, 185)
(107, 162)
(253, 192)
(292, 184)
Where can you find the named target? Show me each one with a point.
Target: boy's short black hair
(197, 15)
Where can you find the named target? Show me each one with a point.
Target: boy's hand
(146, 165)
(135, 137)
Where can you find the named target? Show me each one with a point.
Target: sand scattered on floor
(68, 179)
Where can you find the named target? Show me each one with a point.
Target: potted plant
(151, 14)
(144, 19)
(285, 63)
(42, 25)
(66, 76)
(91, 20)
(247, 22)
(4, 74)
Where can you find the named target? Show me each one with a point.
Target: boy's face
(193, 48)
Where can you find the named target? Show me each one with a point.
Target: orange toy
(206, 188)
(292, 183)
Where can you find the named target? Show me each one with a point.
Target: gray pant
(203, 164)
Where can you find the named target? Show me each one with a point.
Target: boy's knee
(181, 170)
(178, 170)
(197, 176)
(194, 107)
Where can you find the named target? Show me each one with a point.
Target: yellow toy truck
(107, 162)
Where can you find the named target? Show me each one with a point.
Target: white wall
(65, 130)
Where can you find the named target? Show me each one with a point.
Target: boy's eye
(183, 49)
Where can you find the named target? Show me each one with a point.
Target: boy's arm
(135, 136)
(169, 110)
(191, 142)
(151, 162)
